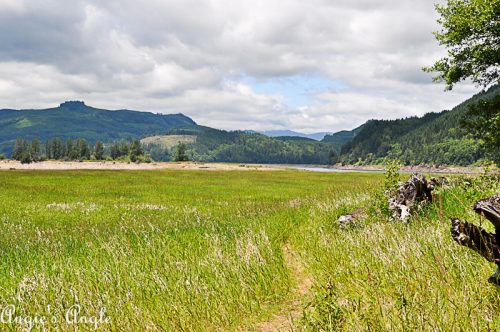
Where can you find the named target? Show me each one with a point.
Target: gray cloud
(186, 56)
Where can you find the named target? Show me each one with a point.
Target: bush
(2, 157)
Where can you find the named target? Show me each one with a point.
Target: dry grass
(169, 141)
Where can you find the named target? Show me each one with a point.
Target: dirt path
(291, 309)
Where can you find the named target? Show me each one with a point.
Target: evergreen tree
(57, 148)
(71, 152)
(22, 151)
(114, 151)
(99, 150)
(482, 121)
(35, 150)
(124, 149)
(136, 151)
(20, 147)
(82, 148)
(48, 150)
(181, 153)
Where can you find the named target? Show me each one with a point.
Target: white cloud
(186, 56)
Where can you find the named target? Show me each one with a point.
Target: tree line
(76, 149)
(79, 150)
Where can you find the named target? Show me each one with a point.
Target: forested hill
(237, 146)
(76, 120)
(435, 138)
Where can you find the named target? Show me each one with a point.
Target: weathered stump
(477, 238)
(409, 195)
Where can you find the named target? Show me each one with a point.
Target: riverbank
(117, 165)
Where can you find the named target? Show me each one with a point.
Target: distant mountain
(295, 138)
(342, 137)
(283, 133)
(435, 138)
(74, 119)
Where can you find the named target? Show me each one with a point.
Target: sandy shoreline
(110, 165)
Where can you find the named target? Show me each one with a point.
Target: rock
(350, 218)
(345, 220)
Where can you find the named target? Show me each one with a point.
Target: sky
(309, 66)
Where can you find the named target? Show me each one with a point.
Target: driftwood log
(477, 238)
(417, 190)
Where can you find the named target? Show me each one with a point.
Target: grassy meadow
(204, 250)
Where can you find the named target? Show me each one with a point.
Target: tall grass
(202, 251)
(167, 250)
(402, 276)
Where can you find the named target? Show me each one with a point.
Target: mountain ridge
(74, 119)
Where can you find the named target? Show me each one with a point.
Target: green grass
(171, 249)
(200, 250)
(403, 276)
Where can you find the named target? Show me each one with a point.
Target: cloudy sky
(316, 65)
